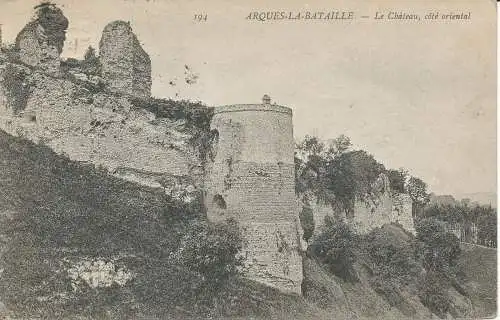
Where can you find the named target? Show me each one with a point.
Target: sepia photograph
(168, 159)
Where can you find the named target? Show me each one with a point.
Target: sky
(415, 94)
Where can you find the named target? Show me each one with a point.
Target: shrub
(91, 65)
(440, 252)
(393, 266)
(17, 86)
(211, 250)
(307, 222)
(439, 249)
(433, 295)
(335, 247)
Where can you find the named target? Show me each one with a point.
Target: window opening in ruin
(220, 202)
(214, 141)
(32, 118)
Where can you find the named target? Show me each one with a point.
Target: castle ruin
(249, 173)
(126, 67)
(382, 206)
(40, 42)
(251, 178)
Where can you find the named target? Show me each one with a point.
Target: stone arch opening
(220, 202)
(214, 142)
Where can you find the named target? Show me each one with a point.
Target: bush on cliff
(211, 250)
(392, 264)
(17, 87)
(335, 246)
(440, 250)
(307, 222)
(432, 291)
(440, 253)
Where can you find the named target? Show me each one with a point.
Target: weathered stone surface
(41, 41)
(383, 207)
(104, 129)
(126, 67)
(251, 178)
(379, 208)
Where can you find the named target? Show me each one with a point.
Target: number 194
(200, 17)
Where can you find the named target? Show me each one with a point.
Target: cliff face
(75, 119)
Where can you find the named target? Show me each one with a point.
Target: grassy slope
(480, 267)
(52, 208)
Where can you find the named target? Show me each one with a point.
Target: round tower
(251, 178)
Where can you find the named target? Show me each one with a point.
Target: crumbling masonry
(249, 175)
(251, 178)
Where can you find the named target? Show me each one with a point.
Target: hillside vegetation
(78, 243)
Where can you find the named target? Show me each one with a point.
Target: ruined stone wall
(251, 178)
(103, 129)
(126, 67)
(40, 42)
(381, 207)
(402, 211)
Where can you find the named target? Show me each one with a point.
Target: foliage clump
(17, 86)
(335, 246)
(393, 265)
(338, 176)
(307, 222)
(440, 252)
(196, 117)
(51, 18)
(211, 250)
(483, 218)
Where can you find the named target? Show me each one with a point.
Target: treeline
(471, 223)
(337, 175)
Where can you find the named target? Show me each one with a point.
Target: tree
(351, 175)
(440, 249)
(89, 53)
(333, 173)
(418, 193)
(397, 179)
(335, 246)
(91, 64)
(487, 228)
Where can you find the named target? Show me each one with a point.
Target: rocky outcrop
(40, 42)
(126, 67)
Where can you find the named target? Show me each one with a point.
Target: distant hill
(442, 200)
(481, 198)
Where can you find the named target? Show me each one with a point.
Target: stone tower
(126, 67)
(41, 41)
(250, 177)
